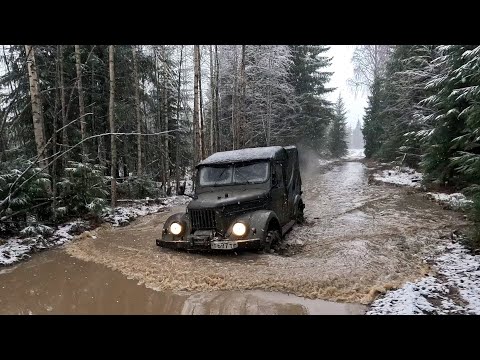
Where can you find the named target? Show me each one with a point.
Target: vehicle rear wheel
(272, 240)
(300, 217)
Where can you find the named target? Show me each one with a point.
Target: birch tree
(36, 100)
(369, 63)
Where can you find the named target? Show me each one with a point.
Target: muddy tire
(272, 240)
(299, 216)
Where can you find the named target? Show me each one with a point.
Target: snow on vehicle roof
(260, 153)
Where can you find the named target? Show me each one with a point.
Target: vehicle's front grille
(202, 219)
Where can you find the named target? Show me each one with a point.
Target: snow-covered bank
(122, 215)
(403, 176)
(456, 201)
(41, 237)
(454, 289)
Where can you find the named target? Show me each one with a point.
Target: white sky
(342, 68)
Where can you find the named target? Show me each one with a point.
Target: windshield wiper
(219, 176)
(243, 177)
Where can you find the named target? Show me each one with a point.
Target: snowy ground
(122, 215)
(404, 176)
(456, 201)
(324, 162)
(454, 289)
(41, 237)
(355, 154)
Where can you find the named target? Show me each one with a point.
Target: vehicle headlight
(239, 229)
(175, 228)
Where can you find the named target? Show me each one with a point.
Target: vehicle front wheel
(271, 240)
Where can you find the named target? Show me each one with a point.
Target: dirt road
(359, 239)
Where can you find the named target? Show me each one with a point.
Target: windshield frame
(233, 165)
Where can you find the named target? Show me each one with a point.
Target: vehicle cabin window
(250, 173)
(234, 174)
(216, 175)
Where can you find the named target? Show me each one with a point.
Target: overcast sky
(343, 70)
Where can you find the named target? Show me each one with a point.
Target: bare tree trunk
(137, 112)
(81, 103)
(3, 115)
(234, 102)
(217, 125)
(111, 118)
(243, 85)
(55, 112)
(212, 105)
(196, 130)
(202, 122)
(146, 143)
(158, 122)
(203, 146)
(269, 105)
(63, 106)
(37, 112)
(167, 116)
(177, 133)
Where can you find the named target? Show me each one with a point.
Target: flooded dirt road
(359, 240)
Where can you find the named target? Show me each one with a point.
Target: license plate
(223, 245)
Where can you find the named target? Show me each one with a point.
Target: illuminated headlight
(175, 228)
(239, 229)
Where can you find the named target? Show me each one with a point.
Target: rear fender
(298, 199)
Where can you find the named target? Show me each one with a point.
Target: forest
(82, 126)
(424, 111)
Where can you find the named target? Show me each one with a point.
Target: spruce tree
(451, 104)
(372, 122)
(309, 78)
(337, 142)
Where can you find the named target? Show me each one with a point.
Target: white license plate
(223, 245)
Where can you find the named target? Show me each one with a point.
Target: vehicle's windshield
(234, 174)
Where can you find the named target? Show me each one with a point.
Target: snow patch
(123, 215)
(456, 201)
(454, 290)
(324, 162)
(40, 237)
(260, 153)
(16, 249)
(404, 176)
(355, 154)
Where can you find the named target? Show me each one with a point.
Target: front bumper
(206, 244)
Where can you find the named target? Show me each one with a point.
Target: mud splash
(359, 241)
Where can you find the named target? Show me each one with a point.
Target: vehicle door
(279, 193)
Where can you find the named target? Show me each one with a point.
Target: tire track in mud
(343, 253)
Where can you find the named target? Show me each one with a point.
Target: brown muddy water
(359, 240)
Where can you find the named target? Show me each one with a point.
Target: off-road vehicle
(244, 199)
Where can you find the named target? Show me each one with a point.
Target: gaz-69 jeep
(244, 199)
